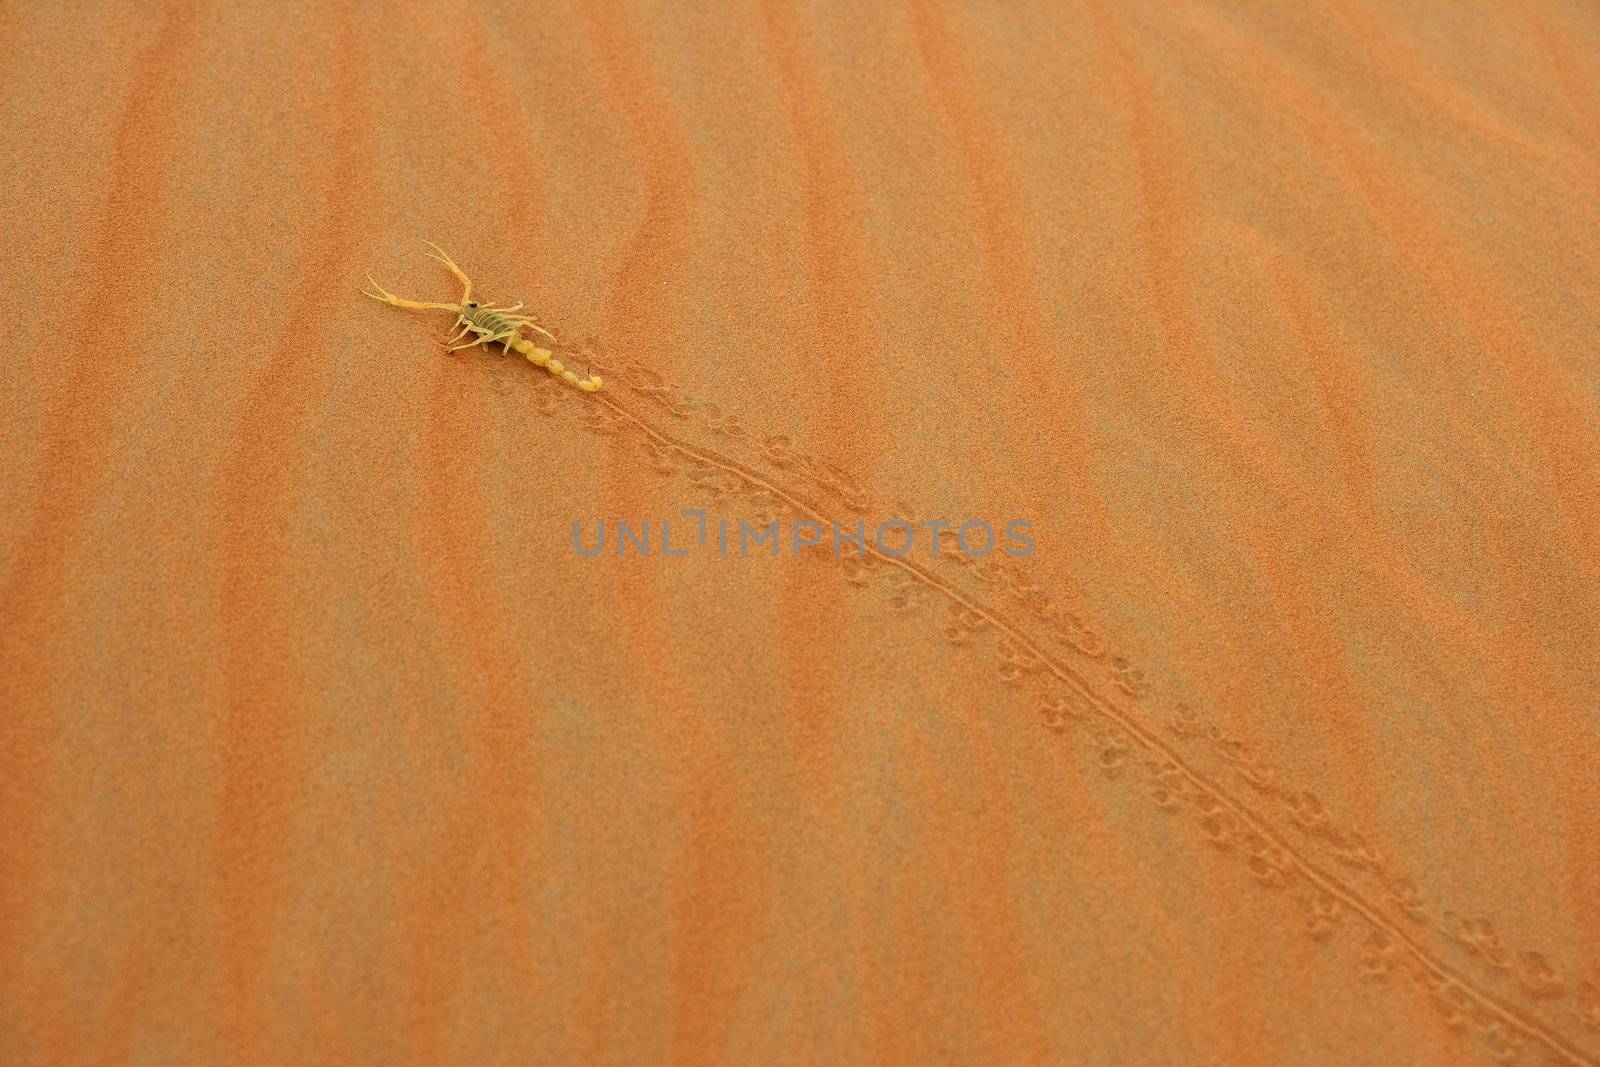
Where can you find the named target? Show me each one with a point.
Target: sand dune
(321, 743)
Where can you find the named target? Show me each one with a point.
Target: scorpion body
(485, 324)
(488, 322)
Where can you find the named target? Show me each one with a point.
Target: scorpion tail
(543, 357)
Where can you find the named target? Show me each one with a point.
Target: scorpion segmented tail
(543, 357)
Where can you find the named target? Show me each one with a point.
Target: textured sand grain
(319, 744)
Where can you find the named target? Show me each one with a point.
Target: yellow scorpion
(488, 324)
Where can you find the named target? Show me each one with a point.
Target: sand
(320, 744)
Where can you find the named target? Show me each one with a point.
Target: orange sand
(320, 745)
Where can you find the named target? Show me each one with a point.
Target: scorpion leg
(523, 320)
(444, 257)
(508, 313)
(462, 326)
(475, 339)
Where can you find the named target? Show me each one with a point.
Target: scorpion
(487, 324)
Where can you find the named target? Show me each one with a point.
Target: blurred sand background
(320, 745)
